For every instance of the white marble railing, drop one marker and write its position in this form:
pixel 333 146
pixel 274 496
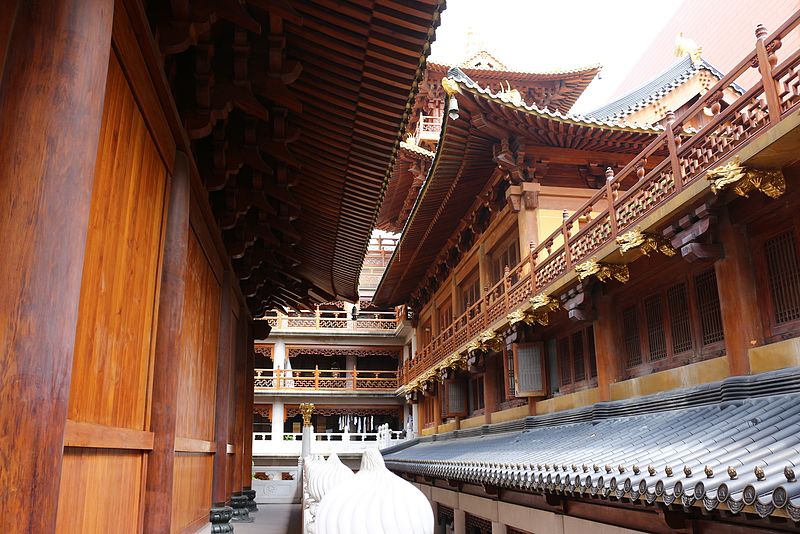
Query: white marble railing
pixel 344 442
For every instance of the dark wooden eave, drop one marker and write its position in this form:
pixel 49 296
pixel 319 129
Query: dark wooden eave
pixel 409 172
pixel 464 165
pixel 295 111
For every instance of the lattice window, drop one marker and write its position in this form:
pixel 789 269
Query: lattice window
pixel 578 366
pixel 708 307
pixel 654 320
pixel 631 339
pixel 563 361
pixel 477 525
pixel 511 385
pixel 512 530
pixel 592 352
pixel 444 514
pixel 783 273
pixel 680 324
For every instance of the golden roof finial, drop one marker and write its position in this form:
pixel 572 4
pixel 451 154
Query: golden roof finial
pixel 685 45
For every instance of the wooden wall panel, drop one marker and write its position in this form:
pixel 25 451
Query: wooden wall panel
pixel 198 369
pixel 191 490
pixel 100 491
pixel 121 268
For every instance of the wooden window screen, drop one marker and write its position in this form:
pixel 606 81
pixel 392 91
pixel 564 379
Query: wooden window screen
pixel 592 352
pixel 654 320
pixel 631 340
pixel 783 276
pixel 564 364
pixel 445 514
pixel 531 375
pixel 509 354
pixel 680 324
pixel 508 256
pixel 708 307
pixel 512 530
pixel 456 397
pixel 477 525
pixel 477 393
pixel 470 293
pixel 578 355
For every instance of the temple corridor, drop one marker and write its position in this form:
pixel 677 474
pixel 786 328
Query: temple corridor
pixel 270 519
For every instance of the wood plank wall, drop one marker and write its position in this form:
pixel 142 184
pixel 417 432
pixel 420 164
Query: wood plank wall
pixel 194 441
pixel 114 340
pixel 108 432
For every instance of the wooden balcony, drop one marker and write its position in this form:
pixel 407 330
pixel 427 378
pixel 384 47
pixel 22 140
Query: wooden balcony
pixel 635 197
pixel 320 321
pixel 267 380
pixel 428 129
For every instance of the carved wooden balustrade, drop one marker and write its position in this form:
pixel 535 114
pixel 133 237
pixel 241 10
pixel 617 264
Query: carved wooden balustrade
pixel 325 379
pixel 428 128
pixel 377 322
pixel 631 195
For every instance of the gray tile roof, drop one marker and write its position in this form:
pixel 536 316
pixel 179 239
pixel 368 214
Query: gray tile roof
pixel 718 444
pixel 652 91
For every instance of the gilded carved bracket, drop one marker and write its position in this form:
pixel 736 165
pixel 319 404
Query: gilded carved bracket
pixel 744 180
pixel 645 243
pixel 602 271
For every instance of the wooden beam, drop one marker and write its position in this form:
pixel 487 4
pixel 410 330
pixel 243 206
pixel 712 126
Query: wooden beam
pixel 81 434
pixel 51 101
pixel 194 445
pixel 160 463
pixel 606 346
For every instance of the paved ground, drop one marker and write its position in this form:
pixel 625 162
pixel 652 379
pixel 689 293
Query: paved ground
pixel 270 519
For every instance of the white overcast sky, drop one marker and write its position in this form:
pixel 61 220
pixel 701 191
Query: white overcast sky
pixel 538 35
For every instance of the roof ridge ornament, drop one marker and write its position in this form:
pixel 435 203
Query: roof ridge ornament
pixel 686 46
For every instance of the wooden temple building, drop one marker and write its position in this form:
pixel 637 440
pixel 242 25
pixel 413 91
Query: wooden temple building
pixel 170 171
pixel 606 307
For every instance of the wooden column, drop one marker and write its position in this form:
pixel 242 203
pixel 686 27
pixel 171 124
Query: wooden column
pixel 437 407
pixel 244 403
pixel 51 104
pixel 247 456
pixel 227 345
pixel 160 461
pixel 607 346
pixel 741 320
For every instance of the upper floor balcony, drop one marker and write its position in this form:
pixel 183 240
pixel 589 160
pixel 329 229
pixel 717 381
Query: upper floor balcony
pixel 638 195
pixel 327 380
pixel 339 321
pixel 428 128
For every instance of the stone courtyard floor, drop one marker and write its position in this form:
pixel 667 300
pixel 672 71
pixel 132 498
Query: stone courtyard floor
pixel 270 519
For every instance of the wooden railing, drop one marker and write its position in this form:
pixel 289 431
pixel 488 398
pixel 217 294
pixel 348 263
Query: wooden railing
pixel 325 379
pixel 428 128
pixel 682 157
pixel 322 321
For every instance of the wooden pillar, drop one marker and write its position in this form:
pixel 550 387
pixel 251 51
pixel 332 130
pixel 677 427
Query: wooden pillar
pixel 528 219
pixel 484 269
pixel 741 320
pixel 247 459
pixel 607 346
pixel 225 349
pixel 160 461
pixel 51 104
pixel 459 521
pixel 437 407
pixel 244 402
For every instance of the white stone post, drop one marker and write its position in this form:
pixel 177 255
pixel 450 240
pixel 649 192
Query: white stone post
pixel 277 422
pixel 279 354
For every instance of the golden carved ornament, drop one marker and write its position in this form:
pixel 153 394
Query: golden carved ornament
pixel 306 409
pixel 603 271
pixel 485 342
pixel 544 302
pixel 450 86
pixel 645 242
pixel 744 180
pixel 529 317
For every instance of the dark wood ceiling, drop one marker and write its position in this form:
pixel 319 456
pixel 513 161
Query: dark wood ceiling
pixel 295 111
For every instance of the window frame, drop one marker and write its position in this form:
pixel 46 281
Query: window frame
pixel 697 352
pixel 589 380
pixel 518 392
pixel 758 238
